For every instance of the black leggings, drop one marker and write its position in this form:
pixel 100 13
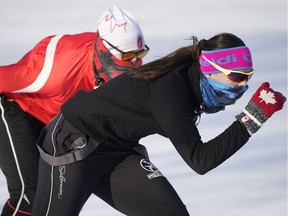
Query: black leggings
pixel 125 180
pixel 18 157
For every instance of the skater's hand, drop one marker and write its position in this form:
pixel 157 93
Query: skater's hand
pixel 262 105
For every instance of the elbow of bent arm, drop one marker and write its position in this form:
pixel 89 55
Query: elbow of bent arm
pixel 202 166
pixel 201 170
pixel 199 161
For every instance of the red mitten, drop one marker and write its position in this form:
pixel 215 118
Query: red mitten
pixel 262 105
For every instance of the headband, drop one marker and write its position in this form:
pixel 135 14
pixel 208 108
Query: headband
pixel 236 58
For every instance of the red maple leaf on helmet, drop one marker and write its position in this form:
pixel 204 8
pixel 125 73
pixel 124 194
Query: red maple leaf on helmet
pixel 113 23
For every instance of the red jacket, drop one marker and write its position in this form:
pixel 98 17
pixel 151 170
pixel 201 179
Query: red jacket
pixel 53 71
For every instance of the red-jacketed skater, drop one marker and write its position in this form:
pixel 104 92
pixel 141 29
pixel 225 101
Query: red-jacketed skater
pixel 33 89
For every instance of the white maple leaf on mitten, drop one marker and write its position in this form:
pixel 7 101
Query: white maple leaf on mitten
pixel 268 97
pixel 257 112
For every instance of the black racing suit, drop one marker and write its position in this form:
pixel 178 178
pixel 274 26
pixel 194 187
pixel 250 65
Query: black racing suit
pixel 118 115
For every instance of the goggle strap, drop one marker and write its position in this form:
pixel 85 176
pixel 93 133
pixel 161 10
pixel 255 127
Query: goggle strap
pixel 224 70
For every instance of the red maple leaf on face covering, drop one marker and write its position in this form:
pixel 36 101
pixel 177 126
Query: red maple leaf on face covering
pixel 107 65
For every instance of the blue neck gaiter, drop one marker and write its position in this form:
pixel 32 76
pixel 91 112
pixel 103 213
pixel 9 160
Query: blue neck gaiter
pixel 217 95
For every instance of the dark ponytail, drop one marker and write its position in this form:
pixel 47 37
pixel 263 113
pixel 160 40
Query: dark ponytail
pixel 184 56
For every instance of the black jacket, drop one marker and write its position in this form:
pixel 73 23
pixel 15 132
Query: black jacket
pixel 124 110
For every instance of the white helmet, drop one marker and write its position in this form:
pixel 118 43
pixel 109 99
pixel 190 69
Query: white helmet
pixel 119 28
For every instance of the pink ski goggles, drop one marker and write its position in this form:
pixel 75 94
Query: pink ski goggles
pixel 237 63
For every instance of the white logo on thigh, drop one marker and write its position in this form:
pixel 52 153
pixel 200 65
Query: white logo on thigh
pixel 62 179
pixel 148 166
